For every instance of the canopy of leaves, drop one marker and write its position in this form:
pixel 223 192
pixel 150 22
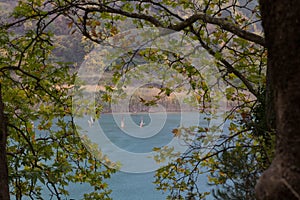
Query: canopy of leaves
pixel 45 154
pixel 230 31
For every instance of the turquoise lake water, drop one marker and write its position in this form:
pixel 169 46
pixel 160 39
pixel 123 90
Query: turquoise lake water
pixel 134 186
pixel 139 186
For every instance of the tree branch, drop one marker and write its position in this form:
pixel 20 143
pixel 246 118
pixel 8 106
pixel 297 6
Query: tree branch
pixel 227 65
pixel 223 23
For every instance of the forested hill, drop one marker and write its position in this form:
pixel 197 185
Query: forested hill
pixel 69 44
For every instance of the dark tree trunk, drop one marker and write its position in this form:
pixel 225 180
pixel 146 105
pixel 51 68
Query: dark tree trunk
pixel 4 190
pixel 281 24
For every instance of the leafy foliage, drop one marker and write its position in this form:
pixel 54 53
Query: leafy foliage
pixel 45 154
pixel 230 31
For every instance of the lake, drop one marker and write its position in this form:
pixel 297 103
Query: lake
pixel 136 181
pixel 134 185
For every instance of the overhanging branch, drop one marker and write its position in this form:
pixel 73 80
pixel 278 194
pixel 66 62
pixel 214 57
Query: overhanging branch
pixel 227 65
pixel 221 22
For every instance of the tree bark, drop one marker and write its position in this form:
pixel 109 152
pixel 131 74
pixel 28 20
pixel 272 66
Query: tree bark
pixel 4 187
pixel 281 24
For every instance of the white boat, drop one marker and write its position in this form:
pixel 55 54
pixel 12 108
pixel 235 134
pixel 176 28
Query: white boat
pixel 142 122
pixel 91 122
pixel 122 123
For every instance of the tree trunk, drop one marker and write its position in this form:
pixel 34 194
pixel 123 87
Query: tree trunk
pixel 4 189
pixel 281 24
